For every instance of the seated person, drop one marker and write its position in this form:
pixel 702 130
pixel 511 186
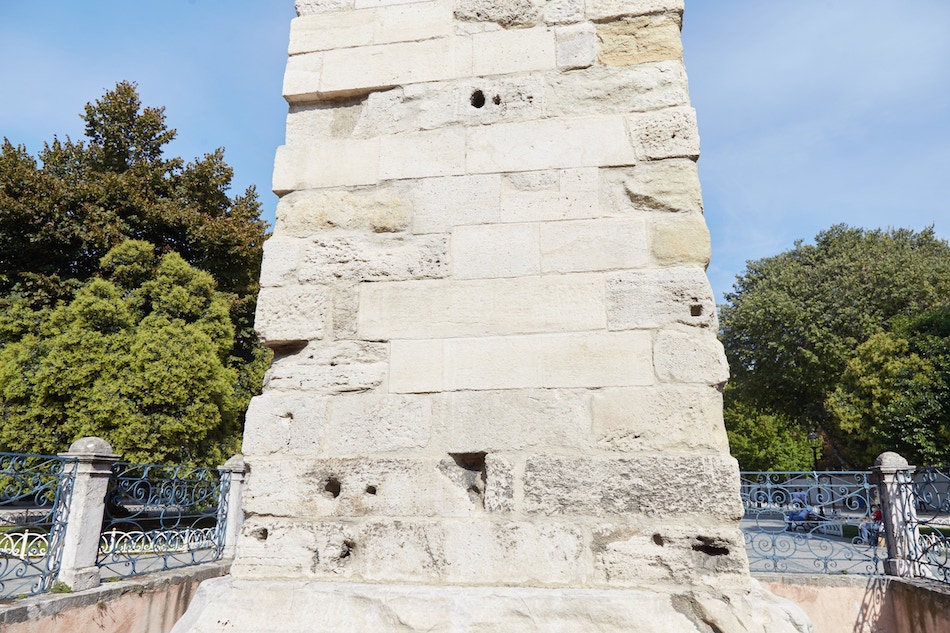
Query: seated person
pixel 803 513
pixel 870 527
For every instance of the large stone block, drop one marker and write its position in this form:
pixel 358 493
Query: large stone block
pixel 422 154
pixel 518 362
pixel 312 7
pixel 603 90
pixel 681 239
pixel 666 185
pixel 285 423
pixel 385 25
pixel 329 164
pixel 444 308
pixel 630 41
pixel 439 204
pixel 367 423
pixel 659 418
pixel 547 205
pixel 690 358
pixel 643 299
pixel 642 485
pixel 600 10
pixel 280 262
pixel 496 250
pixel 277 548
pixel 588 245
pixel 335 367
pixel 549 144
pixel 576 46
pixel 509 13
pixel 512 420
pixel 303 213
pixel 522 50
pixel 295 313
pixel 373 257
pixel 668 133
pixel 362 487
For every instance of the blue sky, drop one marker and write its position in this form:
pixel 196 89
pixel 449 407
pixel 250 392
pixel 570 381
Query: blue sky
pixel 811 113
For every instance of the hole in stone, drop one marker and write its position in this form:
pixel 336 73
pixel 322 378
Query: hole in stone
pixel 710 546
pixel 478 99
pixel 659 540
pixel 259 533
pixel 469 473
pixel 496 100
pixel 346 550
pixel 370 490
pixel 284 349
pixel 470 461
pixel 696 310
pixel 333 487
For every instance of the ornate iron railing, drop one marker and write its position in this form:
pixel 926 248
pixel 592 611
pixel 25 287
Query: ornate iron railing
pixel 35 491
pixel 162 517
pixel 813 522
pixel 925 508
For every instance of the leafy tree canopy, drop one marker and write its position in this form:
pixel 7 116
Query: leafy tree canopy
pixel 795 321
pixel 128 283
pixel 139 358
pixel 63 210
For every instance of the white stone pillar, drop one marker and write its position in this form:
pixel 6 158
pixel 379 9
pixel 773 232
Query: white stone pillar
pixel 95 457
pixel 234 470
pixel 895 478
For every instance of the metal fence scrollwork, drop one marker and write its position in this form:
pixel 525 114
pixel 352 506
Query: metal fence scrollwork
pixel 925 506
pixel 35 492
pixel 812 522
pixel 162 517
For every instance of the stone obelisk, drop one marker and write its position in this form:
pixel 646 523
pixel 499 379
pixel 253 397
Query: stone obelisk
pixel 495 402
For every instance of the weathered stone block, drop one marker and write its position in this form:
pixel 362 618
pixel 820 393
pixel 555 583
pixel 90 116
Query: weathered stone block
pixel 281 258
pixel 374 257
pixel 496 250
pixel 544 205
pixel 427 309
pixel 659 418
pixel 330 164
pixel 515 553
pixel 422 154
pixel 303 213
pixel 366 423
pixel 504 52
pixel 499 484
pixel 509 13
pixel 294 313
pixel 289 424
pixel 549 144
pixel 631 41
pixel 690 358
pixel 588 486
pixel 563 11
pixel 325 31
pixel 666 185
pixel 682 239
pixel 312 123
pixel 655 298
pixel 271 548
pixel 587 245
pixel 335 367
pixel 442 203
pixel 668 133
pixel 599 10
pixel 311 7
pixel 512 420
pixel 363 487
pixel 576 46
pixel 603 90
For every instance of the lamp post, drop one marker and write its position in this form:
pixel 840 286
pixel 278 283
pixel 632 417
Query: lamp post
pixel 815 441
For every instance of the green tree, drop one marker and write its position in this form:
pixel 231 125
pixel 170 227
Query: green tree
pixel 139 358
pixel 795 320
pixel 62 211
pixel 762 441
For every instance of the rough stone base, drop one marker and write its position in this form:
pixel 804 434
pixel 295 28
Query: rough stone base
pixel 297 607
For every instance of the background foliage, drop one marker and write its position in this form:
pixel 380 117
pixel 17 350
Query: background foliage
pixel 128 283
pixel 845 337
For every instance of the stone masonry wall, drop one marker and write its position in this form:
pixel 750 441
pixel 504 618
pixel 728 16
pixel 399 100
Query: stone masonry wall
pixel 496 357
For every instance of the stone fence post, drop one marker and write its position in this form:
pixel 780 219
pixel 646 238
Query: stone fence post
pixel 895 477
pixel 235 470
pixel 78 567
